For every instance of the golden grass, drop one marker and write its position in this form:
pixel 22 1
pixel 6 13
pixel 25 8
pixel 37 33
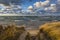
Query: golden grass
pixel 51 30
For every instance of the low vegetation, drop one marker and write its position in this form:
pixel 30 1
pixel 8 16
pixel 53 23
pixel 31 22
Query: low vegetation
pixel 11 32
pixel 50 31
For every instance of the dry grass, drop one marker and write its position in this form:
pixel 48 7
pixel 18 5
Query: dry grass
pixel 11 32
pixel 50 31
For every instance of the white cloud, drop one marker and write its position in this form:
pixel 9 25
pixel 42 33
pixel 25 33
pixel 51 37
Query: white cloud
pixel 2 7
pixel 53 5
pixel 45 3
pixel 51 8
pixel 30 8
pixel 42 4
pixel 46 9
pixel 37 4
pixel 1 4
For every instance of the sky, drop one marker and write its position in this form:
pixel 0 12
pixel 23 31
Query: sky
pixel 36 5
pixel 25 4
